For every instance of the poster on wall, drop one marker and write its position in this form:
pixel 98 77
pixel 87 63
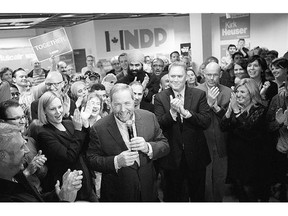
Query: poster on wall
pixel 54 43
pixel 118 40
pixel 185 49
pixel 236 27
pixel 16 57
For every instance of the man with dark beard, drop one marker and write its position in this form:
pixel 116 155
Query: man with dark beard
pixel 136 73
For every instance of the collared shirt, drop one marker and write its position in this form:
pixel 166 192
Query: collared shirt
pixel 125 136
pixel 174 114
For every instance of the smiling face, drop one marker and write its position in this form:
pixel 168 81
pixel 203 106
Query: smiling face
pixel 279 73
pixel 54 111
pixel 20 78
pixel 254 70
pixel 177 78
pixel 7 76
pixel 122 105
pixel 243 96
pixel 17 116
pixel 96 105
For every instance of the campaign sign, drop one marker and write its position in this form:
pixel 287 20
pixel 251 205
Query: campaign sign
pixel 53 43
pixel 185 49
pixel 235 27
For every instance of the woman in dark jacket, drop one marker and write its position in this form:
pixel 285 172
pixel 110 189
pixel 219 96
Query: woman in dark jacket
pixel 246 146
pixel 62 141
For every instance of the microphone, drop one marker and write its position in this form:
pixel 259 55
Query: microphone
pixel 129 124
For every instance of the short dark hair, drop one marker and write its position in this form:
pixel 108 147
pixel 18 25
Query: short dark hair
pixel 15 71
pixel 231 45
pixel 4 105
pixel 173 53
pixel 96 87
pixel 237 53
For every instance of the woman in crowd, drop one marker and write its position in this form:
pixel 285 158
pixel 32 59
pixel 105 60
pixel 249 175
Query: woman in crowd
pixel 6 74
pixel 279 69
pixel 240 71
pixel 62 141
pixel 91 112
pixel 256 70
pixel 79 92
pixel 245 123
pixel 191 78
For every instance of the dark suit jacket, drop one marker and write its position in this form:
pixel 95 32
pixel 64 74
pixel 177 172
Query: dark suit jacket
pixel 188 135
pixel 147 106
pixel 213 134
pixel 23 191
pixel 106 142
pixel 64 149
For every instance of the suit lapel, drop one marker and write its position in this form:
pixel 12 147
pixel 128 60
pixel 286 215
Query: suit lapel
pixel 188 98
pixel 115 133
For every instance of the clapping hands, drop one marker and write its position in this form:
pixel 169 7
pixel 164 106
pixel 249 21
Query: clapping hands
pixel 281 117
pixel 71 184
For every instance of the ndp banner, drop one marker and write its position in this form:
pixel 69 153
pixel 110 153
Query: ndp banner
pixel 53 43
pixel 134 39
pixel 235 28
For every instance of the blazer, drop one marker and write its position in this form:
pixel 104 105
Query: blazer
pixel 64 149
pixel 214 135
pixel 106 142
pixel 23 191
pixel 187 136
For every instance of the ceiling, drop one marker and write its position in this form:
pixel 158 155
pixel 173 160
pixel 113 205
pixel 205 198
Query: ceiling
pixel 10 21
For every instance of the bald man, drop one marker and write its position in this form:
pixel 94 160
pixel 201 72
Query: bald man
pixel 218 97
pixel 54 82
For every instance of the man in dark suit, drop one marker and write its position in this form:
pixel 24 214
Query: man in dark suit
pixel 183 114
pixel 125 160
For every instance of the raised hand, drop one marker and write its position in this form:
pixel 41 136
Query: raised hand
pixel 71 184
pixel 145 81
pixel 37 162
pixel 76 119
pixel 234 104
pixel 264 89
pixel 280 116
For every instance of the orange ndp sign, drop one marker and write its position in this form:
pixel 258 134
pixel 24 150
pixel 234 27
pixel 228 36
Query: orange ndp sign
pixel 53 43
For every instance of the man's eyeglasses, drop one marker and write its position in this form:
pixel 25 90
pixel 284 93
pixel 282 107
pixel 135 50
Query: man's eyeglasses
pixel 17 118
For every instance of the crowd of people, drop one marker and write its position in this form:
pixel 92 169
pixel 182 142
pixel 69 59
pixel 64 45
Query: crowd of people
pixel 148 130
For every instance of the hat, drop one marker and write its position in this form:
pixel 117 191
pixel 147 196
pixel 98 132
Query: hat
pixel 135 56
pixel 94 74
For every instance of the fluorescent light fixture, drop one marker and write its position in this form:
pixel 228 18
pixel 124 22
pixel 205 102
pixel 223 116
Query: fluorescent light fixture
pixel 67 15
pixel 14 27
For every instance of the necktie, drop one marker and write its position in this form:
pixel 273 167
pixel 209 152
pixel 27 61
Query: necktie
pixel 179 96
